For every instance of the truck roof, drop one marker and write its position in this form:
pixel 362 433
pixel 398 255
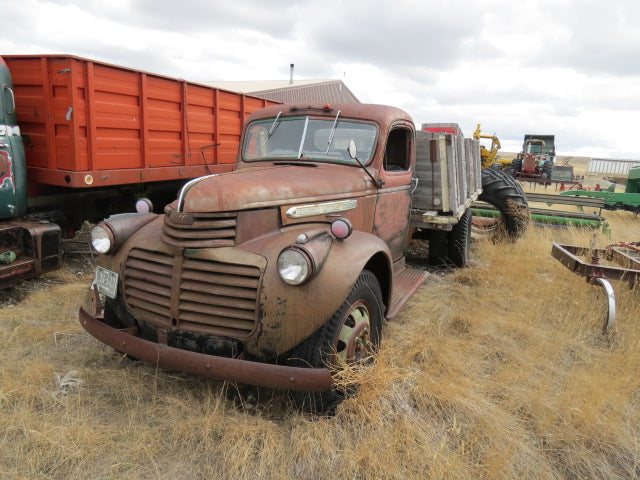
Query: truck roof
pixel 381 114
pixel 531 136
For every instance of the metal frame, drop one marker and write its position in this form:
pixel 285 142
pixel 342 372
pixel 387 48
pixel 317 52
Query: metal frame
pixel 627 255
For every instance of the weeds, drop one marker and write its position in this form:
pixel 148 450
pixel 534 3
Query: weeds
pixel 494 371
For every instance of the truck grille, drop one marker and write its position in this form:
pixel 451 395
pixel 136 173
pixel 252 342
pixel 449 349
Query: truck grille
pixel 199 230
pixel 211 297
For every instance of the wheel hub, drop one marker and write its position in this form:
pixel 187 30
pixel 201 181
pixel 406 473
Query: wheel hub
pixel 354 341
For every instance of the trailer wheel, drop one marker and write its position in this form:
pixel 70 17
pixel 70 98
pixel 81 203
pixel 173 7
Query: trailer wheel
pixel 438 243
pixel 506 195
pixel 351 335
pixel 459 241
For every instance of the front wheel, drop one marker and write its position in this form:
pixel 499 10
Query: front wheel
pixel 351 335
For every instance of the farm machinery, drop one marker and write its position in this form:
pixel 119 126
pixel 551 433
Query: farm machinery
pixel 537 157
pixel 489 156
pixel 628 200
pixel 619 261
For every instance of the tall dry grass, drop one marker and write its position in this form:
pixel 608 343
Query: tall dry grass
pixel 494 371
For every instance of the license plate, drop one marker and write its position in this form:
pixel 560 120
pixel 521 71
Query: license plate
pixel 107 282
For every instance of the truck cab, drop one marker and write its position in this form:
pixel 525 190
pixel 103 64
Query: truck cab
pixel 291 261
pixel 27 247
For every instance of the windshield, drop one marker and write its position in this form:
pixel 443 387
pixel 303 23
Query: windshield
pixel 306 138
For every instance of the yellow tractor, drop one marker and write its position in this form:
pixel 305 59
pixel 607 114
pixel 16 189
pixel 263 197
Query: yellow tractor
pixel 490 156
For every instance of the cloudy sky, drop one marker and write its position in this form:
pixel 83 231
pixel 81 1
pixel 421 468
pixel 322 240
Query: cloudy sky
pixel 564 67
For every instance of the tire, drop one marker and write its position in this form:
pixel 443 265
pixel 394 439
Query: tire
pixel 459 241
pixel 438 246
pixel 547 171
pixel 505 194
pixel 352 333
pixel 516 164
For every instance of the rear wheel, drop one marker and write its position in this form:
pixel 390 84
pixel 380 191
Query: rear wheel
pixel 459 241
pixel 351 335
pixel 438 240
pixel 451 248
pixel 507 196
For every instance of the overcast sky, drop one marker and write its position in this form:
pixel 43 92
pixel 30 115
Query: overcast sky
pixel 564 67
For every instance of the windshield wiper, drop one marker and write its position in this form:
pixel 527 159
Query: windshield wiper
pixel 333 131
pixel 273 125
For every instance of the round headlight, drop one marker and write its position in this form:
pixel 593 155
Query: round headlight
pixel 101 239
pixel 293 266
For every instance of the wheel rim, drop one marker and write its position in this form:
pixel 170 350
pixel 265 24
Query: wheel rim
pixel 354 340
pixel 483 227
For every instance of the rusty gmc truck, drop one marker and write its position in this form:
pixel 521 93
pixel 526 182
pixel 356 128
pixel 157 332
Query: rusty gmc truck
pixel 278 272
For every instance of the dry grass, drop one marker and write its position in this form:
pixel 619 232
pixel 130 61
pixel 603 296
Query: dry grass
pixel 494 371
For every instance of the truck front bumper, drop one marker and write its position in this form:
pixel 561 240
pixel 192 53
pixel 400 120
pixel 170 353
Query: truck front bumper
pixel 211 366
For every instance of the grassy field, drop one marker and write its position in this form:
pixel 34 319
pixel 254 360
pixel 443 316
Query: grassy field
pixel 494 371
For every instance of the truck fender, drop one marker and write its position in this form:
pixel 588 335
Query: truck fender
pixel 290 314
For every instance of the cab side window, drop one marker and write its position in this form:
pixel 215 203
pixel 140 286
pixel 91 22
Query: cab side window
pixel 396 155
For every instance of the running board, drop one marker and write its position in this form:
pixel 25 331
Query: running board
pixel 405 283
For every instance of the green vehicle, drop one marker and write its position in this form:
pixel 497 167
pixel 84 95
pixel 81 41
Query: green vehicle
pixel 28 247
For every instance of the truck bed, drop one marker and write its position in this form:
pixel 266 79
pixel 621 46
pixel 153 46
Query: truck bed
pixel 449 178
pixel 89 124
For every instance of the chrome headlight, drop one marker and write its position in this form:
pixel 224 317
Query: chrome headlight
pixel 110 234
pixel 294 266
pixel 101 239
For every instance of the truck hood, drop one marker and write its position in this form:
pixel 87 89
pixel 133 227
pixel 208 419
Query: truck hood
pixel 258 187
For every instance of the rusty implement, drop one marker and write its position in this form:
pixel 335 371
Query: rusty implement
pixel 620 261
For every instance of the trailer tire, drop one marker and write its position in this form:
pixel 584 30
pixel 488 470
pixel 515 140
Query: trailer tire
pixel 353 333
pixel 506 195
pixel 438 247
pixel 459 241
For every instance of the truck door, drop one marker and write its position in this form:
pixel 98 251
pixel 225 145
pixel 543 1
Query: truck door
pixel 13 188
pixel 393 205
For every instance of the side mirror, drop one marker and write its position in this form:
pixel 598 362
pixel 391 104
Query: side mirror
pixel 10 99
pixel 353 151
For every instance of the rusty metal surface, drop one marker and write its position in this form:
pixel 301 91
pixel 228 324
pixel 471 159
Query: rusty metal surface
pixel 405 283
pixel 178 277
pixel 221 368
pixel 200 229
pixel 569 256
pixel 267 186
pixel 192 294
pixel 37 247
pixel 391 221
